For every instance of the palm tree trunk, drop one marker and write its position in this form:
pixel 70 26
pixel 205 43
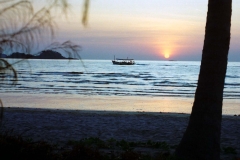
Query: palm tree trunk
pixel 202 137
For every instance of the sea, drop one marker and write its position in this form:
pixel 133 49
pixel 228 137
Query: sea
pixel 101 77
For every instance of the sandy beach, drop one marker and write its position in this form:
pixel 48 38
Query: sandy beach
pixel 57 125
pixel 60 126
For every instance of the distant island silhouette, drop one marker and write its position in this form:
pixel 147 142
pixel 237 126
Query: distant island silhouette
pixel 47 54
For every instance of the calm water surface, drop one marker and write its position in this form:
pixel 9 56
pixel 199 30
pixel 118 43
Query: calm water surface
pixel 100 77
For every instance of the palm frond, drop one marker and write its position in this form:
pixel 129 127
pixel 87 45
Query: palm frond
pixel 6 67
pixel 22 29
pixel 85 12
pixel 67 47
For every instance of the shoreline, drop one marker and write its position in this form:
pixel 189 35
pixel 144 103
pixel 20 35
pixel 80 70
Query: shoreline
pixel 109 103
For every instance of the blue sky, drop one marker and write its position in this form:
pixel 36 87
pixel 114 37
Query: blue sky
pixel 144 29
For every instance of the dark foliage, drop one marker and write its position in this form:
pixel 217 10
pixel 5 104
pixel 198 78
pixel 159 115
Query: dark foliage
pixel 15 147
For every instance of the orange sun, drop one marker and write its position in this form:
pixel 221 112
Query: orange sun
pixel 166 55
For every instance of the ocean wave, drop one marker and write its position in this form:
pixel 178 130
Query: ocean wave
pixel 102 78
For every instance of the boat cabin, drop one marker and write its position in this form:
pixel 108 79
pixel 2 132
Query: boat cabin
pixel 123 61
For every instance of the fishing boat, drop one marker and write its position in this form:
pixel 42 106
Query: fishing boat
pixel 123 61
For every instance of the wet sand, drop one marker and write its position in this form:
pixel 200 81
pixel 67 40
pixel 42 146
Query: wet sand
pixel 109 103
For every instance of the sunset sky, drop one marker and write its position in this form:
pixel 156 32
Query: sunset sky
pixel 144 29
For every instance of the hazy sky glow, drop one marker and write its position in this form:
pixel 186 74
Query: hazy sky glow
pixel 144 29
